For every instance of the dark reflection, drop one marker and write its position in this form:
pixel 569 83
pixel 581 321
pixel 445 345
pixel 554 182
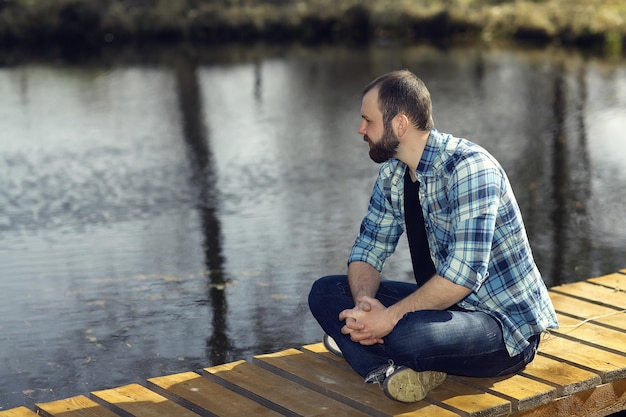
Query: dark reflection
pixel 204 179
pixel 559 178
pixel 258 82
pixel 581 257
pixel 570 178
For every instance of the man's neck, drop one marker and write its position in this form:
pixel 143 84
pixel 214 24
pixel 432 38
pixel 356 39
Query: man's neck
pixel 412 149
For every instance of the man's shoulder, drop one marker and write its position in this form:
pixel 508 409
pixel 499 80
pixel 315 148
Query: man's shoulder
pixel 452 145
pixel 452 153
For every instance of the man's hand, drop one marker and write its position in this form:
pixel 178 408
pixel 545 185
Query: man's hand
pixel 368 322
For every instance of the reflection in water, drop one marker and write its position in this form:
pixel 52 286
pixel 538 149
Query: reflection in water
pixel 571 176
pixel 204 179
pixel 581 175
pixel 560 180
pixel 258 84
pixel 120 181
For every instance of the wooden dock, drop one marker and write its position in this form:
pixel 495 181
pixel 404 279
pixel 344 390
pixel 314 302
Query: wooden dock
pixel 580 370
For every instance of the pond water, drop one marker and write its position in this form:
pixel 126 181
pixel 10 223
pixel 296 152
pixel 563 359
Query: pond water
pixel 167 210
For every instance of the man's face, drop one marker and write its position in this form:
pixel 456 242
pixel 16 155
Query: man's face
pixel 383 142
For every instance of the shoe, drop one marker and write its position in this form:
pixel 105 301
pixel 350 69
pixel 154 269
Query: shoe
pixel 378 375
pixel 331 345
pixel 408 386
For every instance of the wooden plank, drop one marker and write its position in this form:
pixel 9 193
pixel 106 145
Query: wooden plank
pixel 600 401
pixel 203 396
pixel 567 379
pixel 318 349
pixel 608 365
pixel 18 412
pixel 342 384
pixel 137 401
pixel 524 393
pixel 470 401
pixel 276 392
pixel 598 294
pixel 79 406
pixel 587 310
pixel 616 280
pixel 589 332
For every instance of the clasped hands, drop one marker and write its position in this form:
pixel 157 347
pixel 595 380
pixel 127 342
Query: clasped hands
pixel 368 322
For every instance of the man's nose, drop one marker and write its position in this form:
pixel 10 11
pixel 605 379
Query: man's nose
pixel 362 128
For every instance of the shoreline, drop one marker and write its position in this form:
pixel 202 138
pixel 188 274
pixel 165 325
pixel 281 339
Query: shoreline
pixel 90 23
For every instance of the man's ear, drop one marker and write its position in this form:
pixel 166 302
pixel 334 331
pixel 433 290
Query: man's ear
pixel 401 123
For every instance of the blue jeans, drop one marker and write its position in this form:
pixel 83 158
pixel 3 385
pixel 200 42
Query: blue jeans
pixel 454 341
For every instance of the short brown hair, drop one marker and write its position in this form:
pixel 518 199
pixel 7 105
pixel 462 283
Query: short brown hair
pixel 403 92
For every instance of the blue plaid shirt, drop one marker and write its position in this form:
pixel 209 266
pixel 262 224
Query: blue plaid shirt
pixel 475 233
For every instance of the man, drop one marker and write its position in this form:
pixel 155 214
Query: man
pixel 479 303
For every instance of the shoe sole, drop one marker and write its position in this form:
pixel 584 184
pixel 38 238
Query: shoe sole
pixel 408 386
pixel 331 345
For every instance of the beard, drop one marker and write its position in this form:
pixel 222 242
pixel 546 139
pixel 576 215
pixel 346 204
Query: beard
pixel 386 148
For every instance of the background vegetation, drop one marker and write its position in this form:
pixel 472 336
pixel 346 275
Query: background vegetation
pixel 92 22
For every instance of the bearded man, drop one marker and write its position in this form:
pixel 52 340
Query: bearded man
pixel 478 304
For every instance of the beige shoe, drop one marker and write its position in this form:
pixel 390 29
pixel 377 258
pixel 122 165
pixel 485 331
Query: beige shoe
pixel 408 386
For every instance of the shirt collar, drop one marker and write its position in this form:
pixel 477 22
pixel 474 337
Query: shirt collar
pixel 431 151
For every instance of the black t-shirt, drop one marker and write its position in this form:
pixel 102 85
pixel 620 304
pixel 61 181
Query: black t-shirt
pixel 423 267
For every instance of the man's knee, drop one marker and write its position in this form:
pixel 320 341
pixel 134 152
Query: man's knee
pixel 325 296
pixel 328 285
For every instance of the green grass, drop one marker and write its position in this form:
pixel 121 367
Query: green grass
pixel 577 22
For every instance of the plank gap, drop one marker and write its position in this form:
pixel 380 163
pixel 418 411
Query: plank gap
pixel 607 286
pixel 591 344
pixel 618 309
pixel 591 320
pixel 249 394
pixel 601 374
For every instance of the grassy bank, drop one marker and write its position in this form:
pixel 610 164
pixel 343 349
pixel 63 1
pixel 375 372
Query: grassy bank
pixel 93 22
